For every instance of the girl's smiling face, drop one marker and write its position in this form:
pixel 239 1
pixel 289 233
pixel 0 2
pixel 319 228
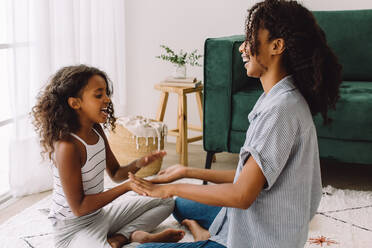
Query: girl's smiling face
pixel 94 100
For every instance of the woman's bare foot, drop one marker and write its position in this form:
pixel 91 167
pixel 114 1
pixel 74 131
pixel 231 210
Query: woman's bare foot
pixel 168 235
pixel 198 232
pixel 117 240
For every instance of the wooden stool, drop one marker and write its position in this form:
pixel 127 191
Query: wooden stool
pixel 182 126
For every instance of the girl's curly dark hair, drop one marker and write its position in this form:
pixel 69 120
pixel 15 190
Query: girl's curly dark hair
pixel 53 118
pixel 307 56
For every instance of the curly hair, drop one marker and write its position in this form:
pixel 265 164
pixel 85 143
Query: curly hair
pixel 307 56
pixel 53 118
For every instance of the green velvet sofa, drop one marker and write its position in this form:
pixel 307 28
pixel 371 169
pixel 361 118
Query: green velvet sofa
pixel 229 94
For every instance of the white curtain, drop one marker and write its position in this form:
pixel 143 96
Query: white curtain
pixel 49 34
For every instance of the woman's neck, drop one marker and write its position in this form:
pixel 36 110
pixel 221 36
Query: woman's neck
pixel 272 77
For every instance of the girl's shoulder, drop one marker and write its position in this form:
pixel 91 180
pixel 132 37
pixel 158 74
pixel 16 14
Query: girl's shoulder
pixel 65 142
pixel 69 147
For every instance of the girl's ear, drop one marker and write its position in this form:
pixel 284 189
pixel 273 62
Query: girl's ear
pixel 74 102
pixel 278 46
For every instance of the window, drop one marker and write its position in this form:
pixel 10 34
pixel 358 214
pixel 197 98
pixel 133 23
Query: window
pixel 6 60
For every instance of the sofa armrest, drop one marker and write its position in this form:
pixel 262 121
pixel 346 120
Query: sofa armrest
pixel 224 74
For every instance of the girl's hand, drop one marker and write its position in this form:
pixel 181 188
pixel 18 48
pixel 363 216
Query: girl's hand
pixel 148 159
pixel 146 188
pixel 170 174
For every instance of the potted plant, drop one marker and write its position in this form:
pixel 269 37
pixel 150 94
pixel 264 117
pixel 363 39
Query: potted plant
pixel 180 60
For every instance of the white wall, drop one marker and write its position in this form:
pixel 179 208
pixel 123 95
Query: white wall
pixel 183 24
pixel 337 4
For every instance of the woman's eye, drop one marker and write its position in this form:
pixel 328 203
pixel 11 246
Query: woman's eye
pixel 98 96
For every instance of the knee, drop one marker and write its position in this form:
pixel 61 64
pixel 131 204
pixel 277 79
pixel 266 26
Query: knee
pixel 181 204
pixel 151 245
pixel 169 202
pixel 148 245
pixel 181 209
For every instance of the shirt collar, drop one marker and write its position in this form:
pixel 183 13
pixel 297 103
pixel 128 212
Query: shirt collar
pixel 284 85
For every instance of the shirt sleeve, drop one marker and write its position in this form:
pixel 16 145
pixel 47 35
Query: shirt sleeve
pixel 271 142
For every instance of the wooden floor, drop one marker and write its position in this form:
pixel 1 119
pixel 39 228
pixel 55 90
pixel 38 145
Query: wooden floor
pixel 343 176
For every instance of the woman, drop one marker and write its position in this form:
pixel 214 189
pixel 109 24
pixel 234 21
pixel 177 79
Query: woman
pixel 275 191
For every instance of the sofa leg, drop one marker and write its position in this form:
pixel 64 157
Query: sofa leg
pixel 208 162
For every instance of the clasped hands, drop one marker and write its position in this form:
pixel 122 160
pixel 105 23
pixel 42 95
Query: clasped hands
pixel 153 187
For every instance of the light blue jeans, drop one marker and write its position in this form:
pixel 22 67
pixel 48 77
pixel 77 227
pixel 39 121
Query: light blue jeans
pixel 187 209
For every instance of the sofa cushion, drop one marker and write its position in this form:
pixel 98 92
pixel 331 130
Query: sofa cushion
pixel 352 119
pixel 242 104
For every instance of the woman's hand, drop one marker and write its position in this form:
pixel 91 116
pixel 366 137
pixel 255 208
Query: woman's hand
pixel 146 188
pixel 170 174
pixel 148 159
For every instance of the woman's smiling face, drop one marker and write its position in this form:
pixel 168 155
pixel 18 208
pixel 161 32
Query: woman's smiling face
pixel 257 64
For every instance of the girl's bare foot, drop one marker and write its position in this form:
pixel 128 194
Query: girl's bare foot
pixel 198 232
pixel 168 235
pixel 117 240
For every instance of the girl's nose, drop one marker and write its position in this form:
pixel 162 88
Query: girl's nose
pixel 107 99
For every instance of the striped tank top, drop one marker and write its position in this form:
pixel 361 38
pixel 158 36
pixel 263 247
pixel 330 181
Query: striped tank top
pixel 92 173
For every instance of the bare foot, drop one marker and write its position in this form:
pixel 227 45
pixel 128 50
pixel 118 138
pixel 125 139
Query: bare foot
pixel 117 240
pixel 198 232
pixel 168 235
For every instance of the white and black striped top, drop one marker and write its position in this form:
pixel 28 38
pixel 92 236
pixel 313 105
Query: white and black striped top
pixel 282 139
pixel 92 173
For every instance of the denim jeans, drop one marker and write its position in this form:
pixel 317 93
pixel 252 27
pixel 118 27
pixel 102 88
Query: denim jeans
pixel 199 244
pixel 187 209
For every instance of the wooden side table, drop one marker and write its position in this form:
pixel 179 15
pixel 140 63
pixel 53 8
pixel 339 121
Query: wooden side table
pixel 181 131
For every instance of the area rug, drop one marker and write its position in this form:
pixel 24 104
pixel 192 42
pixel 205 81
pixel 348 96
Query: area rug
pixel 344 220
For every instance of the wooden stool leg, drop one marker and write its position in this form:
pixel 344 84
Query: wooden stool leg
pixel 199 100
pixel 179 137
pixel 162 106
pixel 183 121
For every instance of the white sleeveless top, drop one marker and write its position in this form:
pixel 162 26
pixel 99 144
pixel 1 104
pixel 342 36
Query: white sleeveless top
pixel 92 174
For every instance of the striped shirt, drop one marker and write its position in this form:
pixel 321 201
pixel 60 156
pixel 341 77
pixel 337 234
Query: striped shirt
pixel 282 139
pixel 92 173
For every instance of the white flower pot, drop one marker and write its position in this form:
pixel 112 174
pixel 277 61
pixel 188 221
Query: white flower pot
pixel 179 71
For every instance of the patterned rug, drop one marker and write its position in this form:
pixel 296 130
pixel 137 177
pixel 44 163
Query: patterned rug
pixel 344 220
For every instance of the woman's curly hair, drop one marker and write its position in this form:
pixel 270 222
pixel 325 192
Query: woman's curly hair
pixel 53 118
pixel 307 56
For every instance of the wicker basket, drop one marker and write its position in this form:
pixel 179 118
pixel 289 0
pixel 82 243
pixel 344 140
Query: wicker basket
pixel 123 145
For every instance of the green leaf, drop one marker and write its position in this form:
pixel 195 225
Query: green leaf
pixel 181 57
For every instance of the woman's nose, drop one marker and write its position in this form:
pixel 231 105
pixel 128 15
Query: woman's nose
pixel 242 47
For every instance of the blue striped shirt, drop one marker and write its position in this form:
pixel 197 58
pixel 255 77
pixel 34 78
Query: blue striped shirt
pixel 282 139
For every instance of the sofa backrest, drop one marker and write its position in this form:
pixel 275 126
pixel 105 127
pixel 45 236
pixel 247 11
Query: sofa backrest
pixel 349 34
pixel 223 64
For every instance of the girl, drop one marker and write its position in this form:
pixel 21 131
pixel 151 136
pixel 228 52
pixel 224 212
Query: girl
pixel 275 191
pixel 67 117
